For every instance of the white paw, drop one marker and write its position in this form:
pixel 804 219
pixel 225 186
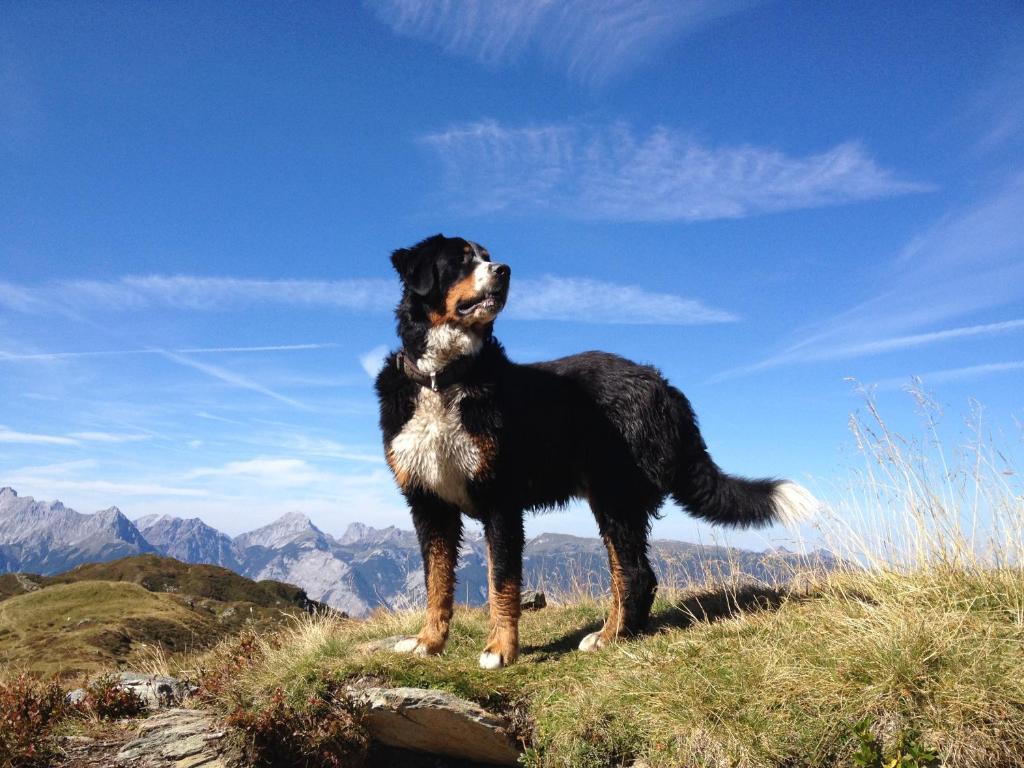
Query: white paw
pixel 592 642
pixel 490 660
pixel 411 645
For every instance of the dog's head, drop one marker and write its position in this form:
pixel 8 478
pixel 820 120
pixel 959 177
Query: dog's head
pixel 452 281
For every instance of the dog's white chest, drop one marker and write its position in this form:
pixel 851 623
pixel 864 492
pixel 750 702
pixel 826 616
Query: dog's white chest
pixel 434 451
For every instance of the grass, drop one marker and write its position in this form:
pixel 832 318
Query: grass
pixel 913 653
pixel 82 627
pixel 165 574
pixel 69 629
pixel 742 676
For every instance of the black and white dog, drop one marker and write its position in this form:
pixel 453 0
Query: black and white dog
pixel 468 432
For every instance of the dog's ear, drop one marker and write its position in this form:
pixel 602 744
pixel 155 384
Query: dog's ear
pixel 416 265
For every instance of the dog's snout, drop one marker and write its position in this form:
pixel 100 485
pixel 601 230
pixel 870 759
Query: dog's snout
pixel 502 271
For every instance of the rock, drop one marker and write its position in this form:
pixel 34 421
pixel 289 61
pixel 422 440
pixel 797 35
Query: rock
pixel 75 697
pixel 533 600
pixel 384 644
pixel 436 722
pixel 156 691
pixel 179 738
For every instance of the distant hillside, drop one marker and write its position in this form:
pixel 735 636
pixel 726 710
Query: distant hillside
pixel 363 569
pixel 165 574
pixel 103 615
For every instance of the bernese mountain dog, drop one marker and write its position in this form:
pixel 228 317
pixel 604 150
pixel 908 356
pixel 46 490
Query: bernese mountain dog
pixel 469 432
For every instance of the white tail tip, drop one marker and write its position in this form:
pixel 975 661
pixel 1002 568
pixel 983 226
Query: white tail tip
pixel 793 504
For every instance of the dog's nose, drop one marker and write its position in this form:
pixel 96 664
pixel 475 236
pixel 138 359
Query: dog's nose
pixel 502 271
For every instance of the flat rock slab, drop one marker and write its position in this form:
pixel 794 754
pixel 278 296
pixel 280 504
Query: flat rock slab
pixel 437 722
pixel 182 738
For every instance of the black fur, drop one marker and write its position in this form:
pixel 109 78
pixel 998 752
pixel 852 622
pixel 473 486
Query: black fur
pixel 592 426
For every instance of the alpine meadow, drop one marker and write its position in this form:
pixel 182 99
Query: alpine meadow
pixel 556 383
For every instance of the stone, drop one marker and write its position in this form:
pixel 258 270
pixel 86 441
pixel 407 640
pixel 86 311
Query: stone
pixel 436 722
pixel 533 600
pixel 178 738
pixel 75 697
pixel 383 644
pixel 156 691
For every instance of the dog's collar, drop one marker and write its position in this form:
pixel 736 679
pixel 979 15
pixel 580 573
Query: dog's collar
pixel 438 380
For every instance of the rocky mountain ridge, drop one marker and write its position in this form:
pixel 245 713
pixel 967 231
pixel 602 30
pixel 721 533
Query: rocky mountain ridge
pixel 363 569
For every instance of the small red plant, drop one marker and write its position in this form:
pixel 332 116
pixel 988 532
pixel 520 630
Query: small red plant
pixel 29 708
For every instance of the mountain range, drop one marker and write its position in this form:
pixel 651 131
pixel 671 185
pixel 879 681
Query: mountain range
pixel 363 569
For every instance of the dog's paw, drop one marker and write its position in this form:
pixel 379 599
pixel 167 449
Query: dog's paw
pixel 593 642
pixel 411 645
pixel 490 660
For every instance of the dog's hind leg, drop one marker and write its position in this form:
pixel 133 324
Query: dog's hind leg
pixel 505 540
pixel 633 580
pixel 439 529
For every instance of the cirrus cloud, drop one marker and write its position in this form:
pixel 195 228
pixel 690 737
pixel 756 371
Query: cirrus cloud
pixel 615 173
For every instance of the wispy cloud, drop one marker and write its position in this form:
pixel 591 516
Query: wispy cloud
pixel 190 292
pixel 584 300
pixel 373 360
pixel 213 417
pixel 267 471
pixel 613 173
pixel 590 39
pixel 19 299
pixel 316 446
pixel 547 298
pixel 232 378
pixel 60 478
pixel 969 262
pixel 997 109
pixel 74 438
pixel 954 374
pixel 109 437
pixel 47 356
pixel 806 353
pixel 271 348
pixel 30 438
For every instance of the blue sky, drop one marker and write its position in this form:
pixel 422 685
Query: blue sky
pixel 763 199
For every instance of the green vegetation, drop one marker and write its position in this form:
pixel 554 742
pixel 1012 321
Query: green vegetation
pixel 33 712
pixel 911 658
pixel 105 615
pixel 72 628
pixel 165 574
pixel 911 655
pixel 29 711
pixel 730 677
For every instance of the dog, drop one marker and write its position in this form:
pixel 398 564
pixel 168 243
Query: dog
pixel 468 432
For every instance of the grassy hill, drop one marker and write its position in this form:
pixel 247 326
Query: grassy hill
pixel 729 677
pixel 911 655
pixel 165 574
pixel 108 614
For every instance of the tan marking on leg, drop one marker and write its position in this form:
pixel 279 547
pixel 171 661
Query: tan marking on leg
pixel 505 605
pixel 441 557
pixel 613 624
pixel 612 628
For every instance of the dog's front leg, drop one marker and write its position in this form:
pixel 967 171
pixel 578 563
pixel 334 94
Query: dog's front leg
pixel 505 538
pixel 439 529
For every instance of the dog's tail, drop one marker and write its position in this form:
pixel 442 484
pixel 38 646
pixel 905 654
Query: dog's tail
pixel 710 494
